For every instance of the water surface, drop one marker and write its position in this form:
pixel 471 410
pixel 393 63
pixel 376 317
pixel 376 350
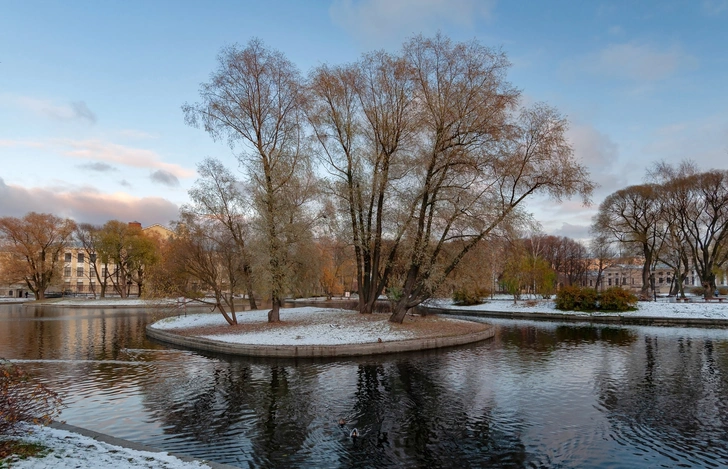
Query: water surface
pixel 537 395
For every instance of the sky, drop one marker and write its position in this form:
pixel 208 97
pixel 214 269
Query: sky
pixel 91 126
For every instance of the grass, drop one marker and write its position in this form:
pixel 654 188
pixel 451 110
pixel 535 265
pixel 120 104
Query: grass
pixel 15 450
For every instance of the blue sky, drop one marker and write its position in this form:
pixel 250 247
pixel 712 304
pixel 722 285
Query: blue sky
pixel 90 92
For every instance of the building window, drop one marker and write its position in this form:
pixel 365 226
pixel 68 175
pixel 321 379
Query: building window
pixel 79 271
pixel 66 272
pixel 92 257
pixel 632 281
pixel 103 272
pixel 79 286
pixel 68 257
pixel 80 258
pixel 609 282
pixel 624 280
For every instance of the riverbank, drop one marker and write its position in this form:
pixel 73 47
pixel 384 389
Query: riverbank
pixel 663 312
pixel 68 447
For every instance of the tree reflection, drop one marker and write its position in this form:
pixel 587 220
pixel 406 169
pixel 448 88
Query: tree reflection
pixel 670 395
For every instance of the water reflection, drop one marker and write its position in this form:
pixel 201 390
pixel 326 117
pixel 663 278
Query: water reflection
pixel 537 395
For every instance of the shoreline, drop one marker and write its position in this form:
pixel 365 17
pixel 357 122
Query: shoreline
pixel 601 318
pixel 315 332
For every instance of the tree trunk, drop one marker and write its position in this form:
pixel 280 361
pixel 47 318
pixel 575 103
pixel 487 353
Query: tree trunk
pixel 249 287
pixel 399 313
pixel 274 315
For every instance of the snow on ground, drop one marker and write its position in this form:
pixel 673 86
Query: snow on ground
pixel 659 309
pixel 300 326
pixel 10 299
pixel 71 450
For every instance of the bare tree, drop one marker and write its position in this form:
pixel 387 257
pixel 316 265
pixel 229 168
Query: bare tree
pixel 204 258
pixel 633 216
pixel 220 195
pixel 34 246
pixel 254 102
pixel 362 119
pixel 447 157
pixel 88 237
pixel 604 255
pixel 695 211
pixel 702 207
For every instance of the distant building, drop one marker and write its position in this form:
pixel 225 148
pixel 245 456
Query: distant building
pixel 78 270
pixel 628 275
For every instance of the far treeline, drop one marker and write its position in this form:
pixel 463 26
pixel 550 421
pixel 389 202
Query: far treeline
pixel 401 174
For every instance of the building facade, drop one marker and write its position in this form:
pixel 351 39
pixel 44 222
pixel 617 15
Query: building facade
pixel 79 272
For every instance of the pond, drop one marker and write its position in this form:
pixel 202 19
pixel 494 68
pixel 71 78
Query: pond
pixel 537 395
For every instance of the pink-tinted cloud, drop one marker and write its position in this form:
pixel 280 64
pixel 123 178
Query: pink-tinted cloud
pixel 113 153
pixel 98 150
pixel 85 205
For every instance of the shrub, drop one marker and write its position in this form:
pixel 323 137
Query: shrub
pixel 573 298
pixel 467 297
pixel 23 399
pixel 567 298
pixel 589 300
pixel 617 299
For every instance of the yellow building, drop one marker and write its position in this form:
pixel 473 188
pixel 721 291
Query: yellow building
pixel 78 271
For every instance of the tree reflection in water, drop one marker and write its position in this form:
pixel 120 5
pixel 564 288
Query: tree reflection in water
pixel 537 395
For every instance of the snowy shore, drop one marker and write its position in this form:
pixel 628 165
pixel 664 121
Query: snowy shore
pixel 661 309
pixel 70 450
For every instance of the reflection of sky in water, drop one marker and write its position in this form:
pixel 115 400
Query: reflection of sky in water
pixel 538 394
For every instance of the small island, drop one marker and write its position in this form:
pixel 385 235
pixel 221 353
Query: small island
pixel 316 332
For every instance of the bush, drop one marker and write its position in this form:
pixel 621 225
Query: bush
pixel 467 297
pixel 574 298
pixel 617 299
pixel 23 399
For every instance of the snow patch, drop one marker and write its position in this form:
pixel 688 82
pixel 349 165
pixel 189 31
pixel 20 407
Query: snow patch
pixel 71 450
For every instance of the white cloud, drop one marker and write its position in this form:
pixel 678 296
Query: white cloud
pixel 73 111
pixel 637 62
pixel 376 23
pixel 704 141
pixel 85 204
pixel 600 154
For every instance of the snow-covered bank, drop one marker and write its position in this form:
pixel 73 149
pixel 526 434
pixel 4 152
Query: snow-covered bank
pixel 659 309
pixel 72 450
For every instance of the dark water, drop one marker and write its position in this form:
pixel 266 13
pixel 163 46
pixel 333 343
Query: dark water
pixel 537 395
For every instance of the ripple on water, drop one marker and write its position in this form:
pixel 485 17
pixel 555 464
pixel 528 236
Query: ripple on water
pixel 538 395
